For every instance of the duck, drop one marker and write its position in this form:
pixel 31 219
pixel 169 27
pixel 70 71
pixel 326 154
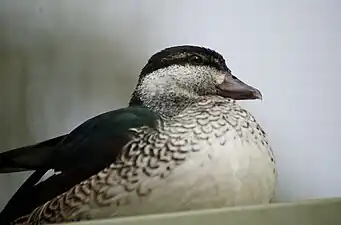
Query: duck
pixel 182 143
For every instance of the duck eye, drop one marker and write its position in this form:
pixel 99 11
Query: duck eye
pixel 195 59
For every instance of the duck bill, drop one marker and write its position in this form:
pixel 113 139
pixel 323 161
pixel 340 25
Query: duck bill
pixel 236 89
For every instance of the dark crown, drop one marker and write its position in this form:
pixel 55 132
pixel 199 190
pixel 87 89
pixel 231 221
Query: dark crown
pixel 182 55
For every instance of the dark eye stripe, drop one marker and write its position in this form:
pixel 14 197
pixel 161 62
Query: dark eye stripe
pixel 182 55
pixel 196 59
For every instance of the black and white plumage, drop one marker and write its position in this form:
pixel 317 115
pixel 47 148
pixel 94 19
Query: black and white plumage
pixel 200 150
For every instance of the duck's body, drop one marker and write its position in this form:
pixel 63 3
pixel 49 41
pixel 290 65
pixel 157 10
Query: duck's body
pixel 189 147
pixel 212 154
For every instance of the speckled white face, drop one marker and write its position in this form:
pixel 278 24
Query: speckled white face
pixel 180 81
pixel 168 89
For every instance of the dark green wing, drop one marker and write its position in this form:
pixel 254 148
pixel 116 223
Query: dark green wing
pixel 30 157
pixel 85 151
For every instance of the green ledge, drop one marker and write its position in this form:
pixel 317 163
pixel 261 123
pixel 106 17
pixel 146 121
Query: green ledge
pixel 310 212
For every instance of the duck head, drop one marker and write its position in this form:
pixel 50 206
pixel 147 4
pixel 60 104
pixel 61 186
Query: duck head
pixel 176 75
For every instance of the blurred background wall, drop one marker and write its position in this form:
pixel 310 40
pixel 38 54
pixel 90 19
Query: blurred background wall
pixel 62 62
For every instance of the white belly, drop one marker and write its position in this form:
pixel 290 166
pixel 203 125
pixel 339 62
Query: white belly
pixel 217 176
